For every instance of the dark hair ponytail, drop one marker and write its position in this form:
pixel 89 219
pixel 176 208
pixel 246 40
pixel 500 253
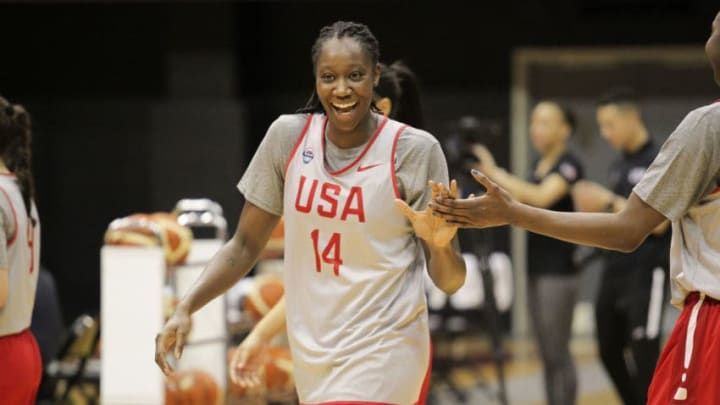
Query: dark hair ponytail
pixel 15 133
pixel 409 107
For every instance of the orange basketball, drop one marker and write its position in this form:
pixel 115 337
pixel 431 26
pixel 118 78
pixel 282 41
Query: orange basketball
pixel 191 387
pixel 265 292
pixel 133 230
pixel 177 238
pixel 279 370
pixel 275 246
pixel 158 229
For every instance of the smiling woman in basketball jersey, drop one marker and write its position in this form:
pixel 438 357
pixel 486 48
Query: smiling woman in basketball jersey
pixel 20 363
pixel 346 180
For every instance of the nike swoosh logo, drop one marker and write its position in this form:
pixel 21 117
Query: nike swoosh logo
pixel 368 167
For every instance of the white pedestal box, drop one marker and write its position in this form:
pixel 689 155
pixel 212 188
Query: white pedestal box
pixel 131 286
pixel 207 344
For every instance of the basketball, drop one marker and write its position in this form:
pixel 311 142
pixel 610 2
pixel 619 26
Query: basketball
pixel 279 370
pixel 191 387
pixel 157 229
pixel 133 230
pixel 264 293
pixel 177 238
pixel 275 247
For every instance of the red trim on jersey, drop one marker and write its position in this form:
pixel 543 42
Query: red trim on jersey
pixel 298 143
pixel 717 190
pixel 8 175
pixel 360 156
pixel 12 208
pixel 426 382
pixel 393 161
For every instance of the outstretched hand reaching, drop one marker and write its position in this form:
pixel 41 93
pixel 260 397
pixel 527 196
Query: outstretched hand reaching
pixel 488 210
pixel 433 229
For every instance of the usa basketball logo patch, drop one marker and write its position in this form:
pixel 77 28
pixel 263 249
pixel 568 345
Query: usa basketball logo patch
pixel 568 171
pixel 308 155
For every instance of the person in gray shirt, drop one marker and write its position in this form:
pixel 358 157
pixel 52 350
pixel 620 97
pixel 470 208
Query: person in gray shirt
pixel 682 185
pixel 391 236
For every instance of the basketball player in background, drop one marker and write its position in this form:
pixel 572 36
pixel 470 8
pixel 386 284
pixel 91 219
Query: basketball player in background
pixel 553 278
pixel 21 365
pixel 628 308
pixel 397 95
pixel 345 180
pixel 682 185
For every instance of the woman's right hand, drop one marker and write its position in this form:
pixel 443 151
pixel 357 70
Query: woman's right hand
pixel 173 335
pixel 247 366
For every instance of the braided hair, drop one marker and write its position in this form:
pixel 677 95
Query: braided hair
pixel 340 29
pixel 15 134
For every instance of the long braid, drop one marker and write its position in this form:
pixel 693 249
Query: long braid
pixel 15 133
pixel 340 29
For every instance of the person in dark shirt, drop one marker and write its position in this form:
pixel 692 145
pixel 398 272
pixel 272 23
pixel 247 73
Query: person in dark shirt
pixel 628 308
pixel 553 279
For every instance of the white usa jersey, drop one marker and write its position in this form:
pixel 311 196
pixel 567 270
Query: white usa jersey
pixel 23 256
pixel 356 310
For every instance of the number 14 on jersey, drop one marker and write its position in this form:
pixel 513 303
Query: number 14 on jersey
pixel 330 254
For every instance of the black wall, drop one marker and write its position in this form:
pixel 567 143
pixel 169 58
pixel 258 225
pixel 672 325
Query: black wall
pixel 138 105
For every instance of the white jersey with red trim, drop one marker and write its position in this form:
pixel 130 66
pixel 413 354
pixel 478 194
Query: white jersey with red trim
pixel 356 309
pixel 695 250
pixel 22 248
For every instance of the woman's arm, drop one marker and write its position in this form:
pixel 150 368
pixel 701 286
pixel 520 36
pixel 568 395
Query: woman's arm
pixel 592 197
pixel 623 231
pixel 446 267
pixel 271 324
pixel 553 188
pixel 445 264
pixel 233 261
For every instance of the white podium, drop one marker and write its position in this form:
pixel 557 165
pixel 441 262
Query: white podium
pixel 206 348
pixel 131 315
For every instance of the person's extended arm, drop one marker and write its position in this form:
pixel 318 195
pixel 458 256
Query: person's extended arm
pixel 271 324
pixel 446 267
pixel 592 197
pixel 248 360
pixel 622 231
pixel 233 261
pixel 445 264
pixel 543 195
pixel 553 187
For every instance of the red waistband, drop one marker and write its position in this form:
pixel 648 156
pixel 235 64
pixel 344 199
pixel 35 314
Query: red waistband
pixel 694 297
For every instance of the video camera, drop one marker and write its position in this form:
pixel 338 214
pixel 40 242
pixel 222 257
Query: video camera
pixel 467 132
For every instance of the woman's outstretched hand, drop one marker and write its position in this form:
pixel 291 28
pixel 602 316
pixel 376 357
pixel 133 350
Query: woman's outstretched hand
pixel 488 210
pixel 433 229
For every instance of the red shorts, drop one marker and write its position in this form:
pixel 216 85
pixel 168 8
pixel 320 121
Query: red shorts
pixel 20 368
pixel 688 371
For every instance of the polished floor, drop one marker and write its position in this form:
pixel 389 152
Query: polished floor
pixel 479 385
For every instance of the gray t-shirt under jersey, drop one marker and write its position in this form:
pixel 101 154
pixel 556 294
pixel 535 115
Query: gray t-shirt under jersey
pixel 420 158
pixel 683 184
